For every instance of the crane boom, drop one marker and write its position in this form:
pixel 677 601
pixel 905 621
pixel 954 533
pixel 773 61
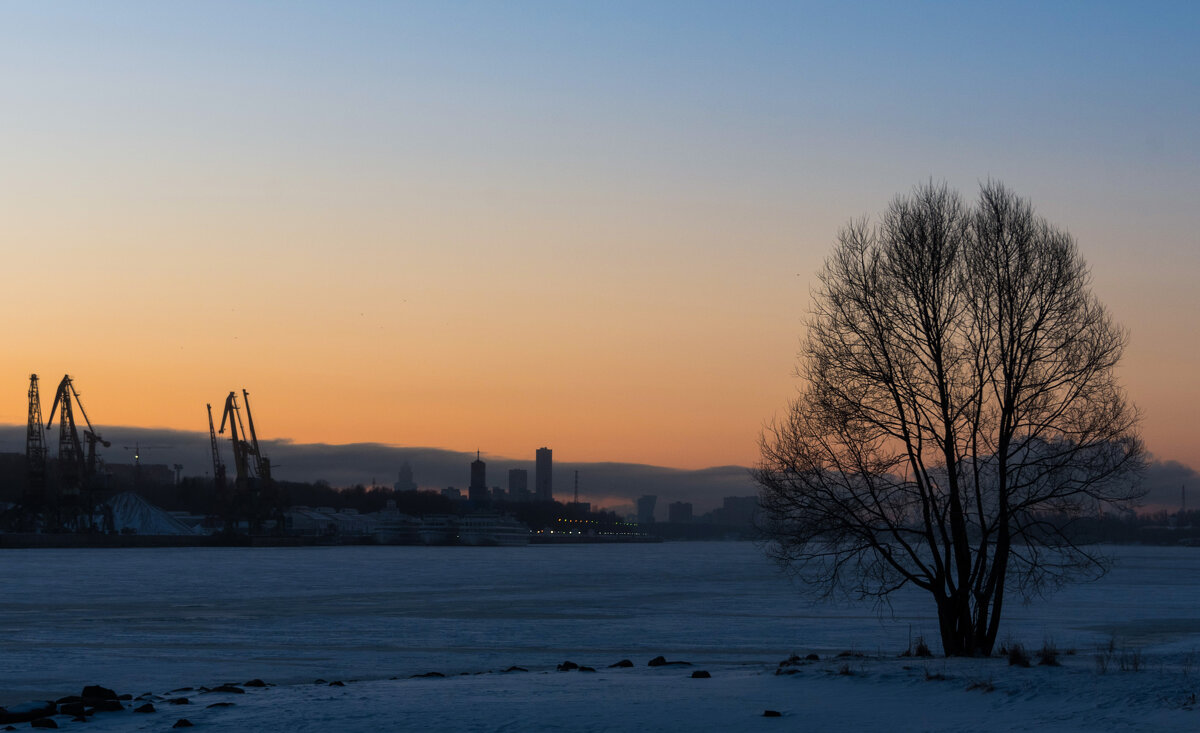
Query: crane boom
pixel 263 466
pixel 233 418
pixel 218 467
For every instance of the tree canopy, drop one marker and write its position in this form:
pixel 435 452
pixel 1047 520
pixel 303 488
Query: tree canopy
pixel 960 408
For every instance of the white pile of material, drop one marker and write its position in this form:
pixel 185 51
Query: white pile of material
pixel 132 512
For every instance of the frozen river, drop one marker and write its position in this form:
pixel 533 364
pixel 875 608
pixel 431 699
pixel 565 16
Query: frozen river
pixel 163 618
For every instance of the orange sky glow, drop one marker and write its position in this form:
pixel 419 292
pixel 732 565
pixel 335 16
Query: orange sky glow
pixel 505 232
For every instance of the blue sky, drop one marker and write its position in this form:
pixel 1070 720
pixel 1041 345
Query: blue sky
pixel 592 225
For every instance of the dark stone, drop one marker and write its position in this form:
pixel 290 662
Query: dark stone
pixel 255 683
pixel 126 697
pixel 585 668
pixel 228 688
pixel 147 708
pixel 567 666
pixel 27 711
pixel 178 701
pixel 662 662
pixel 106 706
pixel 221 705
pixel 96 692
pixel 623 663
pixel 183 689
pixel 69 699
pixel 515 668
pixel 182 723
pixel 429 674
pixel 72 708
pixel 43 723
pixel 787 670
pixel 80 719
pixel 813 657
pixel 10 727
pixel 337 683
pixel 318 681
pixel 772 714
pixel 700 675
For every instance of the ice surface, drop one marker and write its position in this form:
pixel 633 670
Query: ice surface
pixel 142 620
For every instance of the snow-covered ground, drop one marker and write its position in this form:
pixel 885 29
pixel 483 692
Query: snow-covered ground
pixel 150 621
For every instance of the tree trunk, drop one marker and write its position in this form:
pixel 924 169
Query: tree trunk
pixel 959 630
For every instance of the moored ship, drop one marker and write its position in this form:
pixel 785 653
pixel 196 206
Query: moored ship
pixel 492 531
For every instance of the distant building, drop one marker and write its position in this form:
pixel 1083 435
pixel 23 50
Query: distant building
pixel 543 480
pixel 478 492
pixel 518 485
pixel 645 509
pixel 499 494
pixel 740 509
pixel 679 511
pixel 405 482
pixel 452 493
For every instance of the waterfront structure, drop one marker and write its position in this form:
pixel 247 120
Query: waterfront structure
pixel 491 530
pixel 543 481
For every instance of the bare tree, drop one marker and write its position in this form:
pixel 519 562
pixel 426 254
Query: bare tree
pixel 960 409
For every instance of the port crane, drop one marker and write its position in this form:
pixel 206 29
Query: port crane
pixel 253 488
pixel 35 450
pixel 77 469
pixel 225 507
pixel 35 501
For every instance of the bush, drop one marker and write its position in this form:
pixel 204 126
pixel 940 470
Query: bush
pixel 1017 657
pixel 917 649
pixel 1048 654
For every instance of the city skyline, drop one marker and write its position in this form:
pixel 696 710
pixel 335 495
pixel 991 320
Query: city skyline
pixel 588 227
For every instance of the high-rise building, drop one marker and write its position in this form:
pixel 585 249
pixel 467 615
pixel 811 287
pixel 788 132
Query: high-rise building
pixel 645 506
pixel 740 509
pixel 679 511
pixel 478 492
pixel 543 481
pixel 518 485
pixel 406 482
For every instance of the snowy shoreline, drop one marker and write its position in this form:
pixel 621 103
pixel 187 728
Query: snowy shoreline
pixel 848 692
pixel 139 622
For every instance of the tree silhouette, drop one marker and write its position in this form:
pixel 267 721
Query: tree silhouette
pixel 960 408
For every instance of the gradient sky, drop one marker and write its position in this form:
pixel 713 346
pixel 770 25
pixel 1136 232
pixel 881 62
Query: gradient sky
pixel 589 225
